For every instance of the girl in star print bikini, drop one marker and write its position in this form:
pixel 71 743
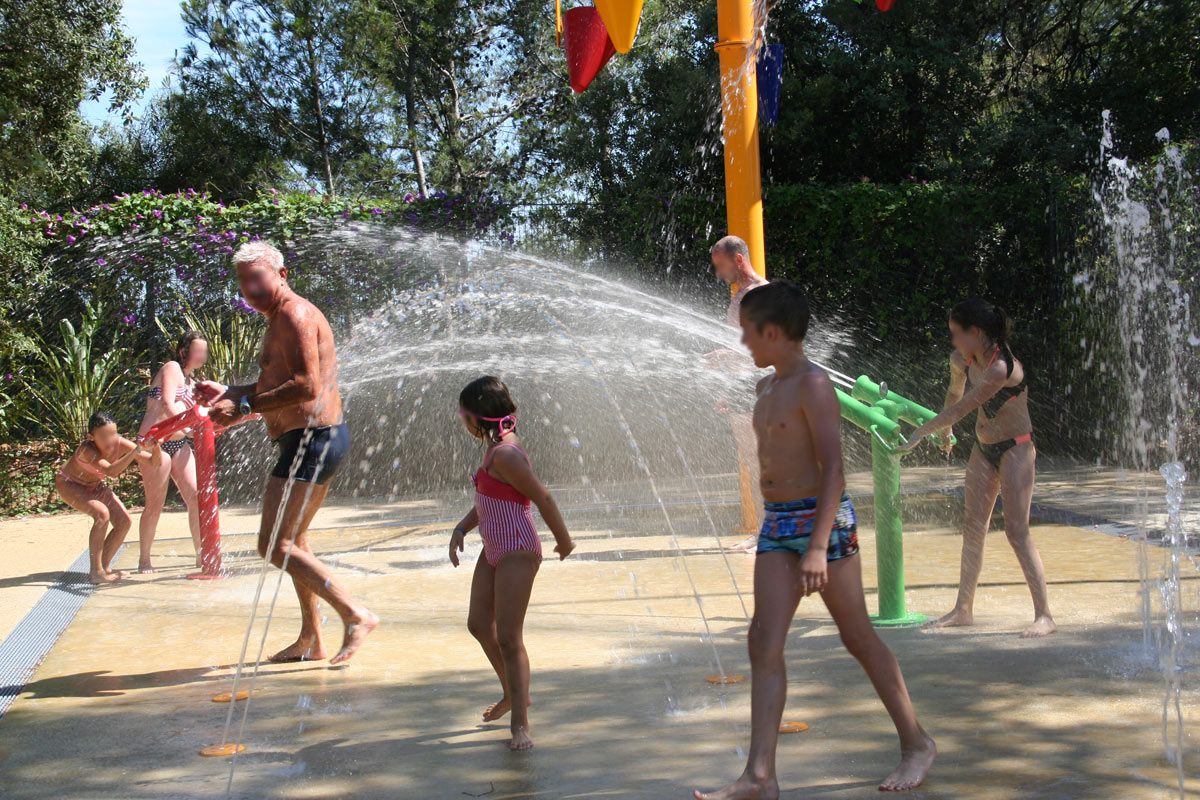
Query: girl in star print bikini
pixel 505 487
pixel 985 375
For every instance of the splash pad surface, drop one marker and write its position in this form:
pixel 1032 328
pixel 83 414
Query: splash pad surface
pixel 623 422
pixel 123 704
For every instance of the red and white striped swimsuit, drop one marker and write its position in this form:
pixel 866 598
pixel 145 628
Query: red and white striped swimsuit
pixel 505 518
pixel 184 394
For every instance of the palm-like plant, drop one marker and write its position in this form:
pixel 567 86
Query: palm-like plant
pixel 73 381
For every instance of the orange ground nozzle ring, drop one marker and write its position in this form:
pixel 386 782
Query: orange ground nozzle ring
pixel 726 679
pixel 226 697
pixel 792 727
pixel 222 750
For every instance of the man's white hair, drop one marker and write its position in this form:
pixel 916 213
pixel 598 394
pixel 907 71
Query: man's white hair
pixel 253 252
pixel 732 246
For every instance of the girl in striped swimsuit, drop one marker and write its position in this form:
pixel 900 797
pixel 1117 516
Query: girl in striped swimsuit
pixel 505 487
pixel 171 392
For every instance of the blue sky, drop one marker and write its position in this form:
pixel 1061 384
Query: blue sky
pixel 157 28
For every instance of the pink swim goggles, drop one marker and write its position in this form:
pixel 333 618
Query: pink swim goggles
pixel 507 423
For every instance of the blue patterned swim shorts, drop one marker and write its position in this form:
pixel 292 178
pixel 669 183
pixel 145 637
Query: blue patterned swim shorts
pixel 788 526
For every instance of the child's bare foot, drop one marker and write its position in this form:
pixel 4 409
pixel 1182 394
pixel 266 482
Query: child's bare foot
pixel 103 577
pixel 300 650
pixel 912 769
pixel 955 619
pixel 146 568
pixel 744 788
pixel 521 739
pixel 498 709
pixel 119 573
pixel 356 633
pixel 1042 626
pixel 747 545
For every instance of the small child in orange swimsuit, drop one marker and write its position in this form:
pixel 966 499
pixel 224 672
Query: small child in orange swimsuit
pixel 80 483
pixel 505 487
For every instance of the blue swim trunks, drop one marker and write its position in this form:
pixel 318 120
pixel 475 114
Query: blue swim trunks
pixel 788 526
pixel 312 455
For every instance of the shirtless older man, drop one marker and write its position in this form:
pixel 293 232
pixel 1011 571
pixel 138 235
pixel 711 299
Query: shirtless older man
pixel 297 395
pixel 731 262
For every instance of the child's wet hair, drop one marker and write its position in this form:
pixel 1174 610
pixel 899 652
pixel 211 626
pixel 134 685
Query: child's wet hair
pixel 99 420
pixel 780 303
pixel 989 318
pixel 487 397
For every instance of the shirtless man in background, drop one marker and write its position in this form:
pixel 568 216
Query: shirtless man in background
pixel 297 395
pixel 731 262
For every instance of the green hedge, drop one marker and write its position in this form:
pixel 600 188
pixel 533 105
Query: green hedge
pixel 899 256
pixel 153 245
pixel 885 262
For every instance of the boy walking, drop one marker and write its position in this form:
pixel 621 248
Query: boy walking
pixel 808 544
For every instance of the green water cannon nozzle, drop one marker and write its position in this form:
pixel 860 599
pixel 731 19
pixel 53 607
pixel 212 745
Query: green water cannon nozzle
pixel 867 391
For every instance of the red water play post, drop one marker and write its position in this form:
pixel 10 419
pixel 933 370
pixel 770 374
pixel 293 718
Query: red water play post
pixel 204 449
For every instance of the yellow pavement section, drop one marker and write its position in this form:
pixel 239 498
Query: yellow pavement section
pixel 36 551
pixel 620 647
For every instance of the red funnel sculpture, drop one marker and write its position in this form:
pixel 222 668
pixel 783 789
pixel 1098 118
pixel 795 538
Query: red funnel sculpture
pixel 588 45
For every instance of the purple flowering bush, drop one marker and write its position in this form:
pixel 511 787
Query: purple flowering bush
pixel 140 251
pixel 151 259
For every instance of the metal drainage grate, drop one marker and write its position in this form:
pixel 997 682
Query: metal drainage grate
pixel 29 643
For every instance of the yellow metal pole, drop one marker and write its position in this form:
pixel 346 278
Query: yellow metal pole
pixel 749 521
pixel 743 180
pixel 739 103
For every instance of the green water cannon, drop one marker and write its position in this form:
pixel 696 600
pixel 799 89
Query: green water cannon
pixel 879 411
pixel 870 395
pixel 868 391
pixel 878 417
